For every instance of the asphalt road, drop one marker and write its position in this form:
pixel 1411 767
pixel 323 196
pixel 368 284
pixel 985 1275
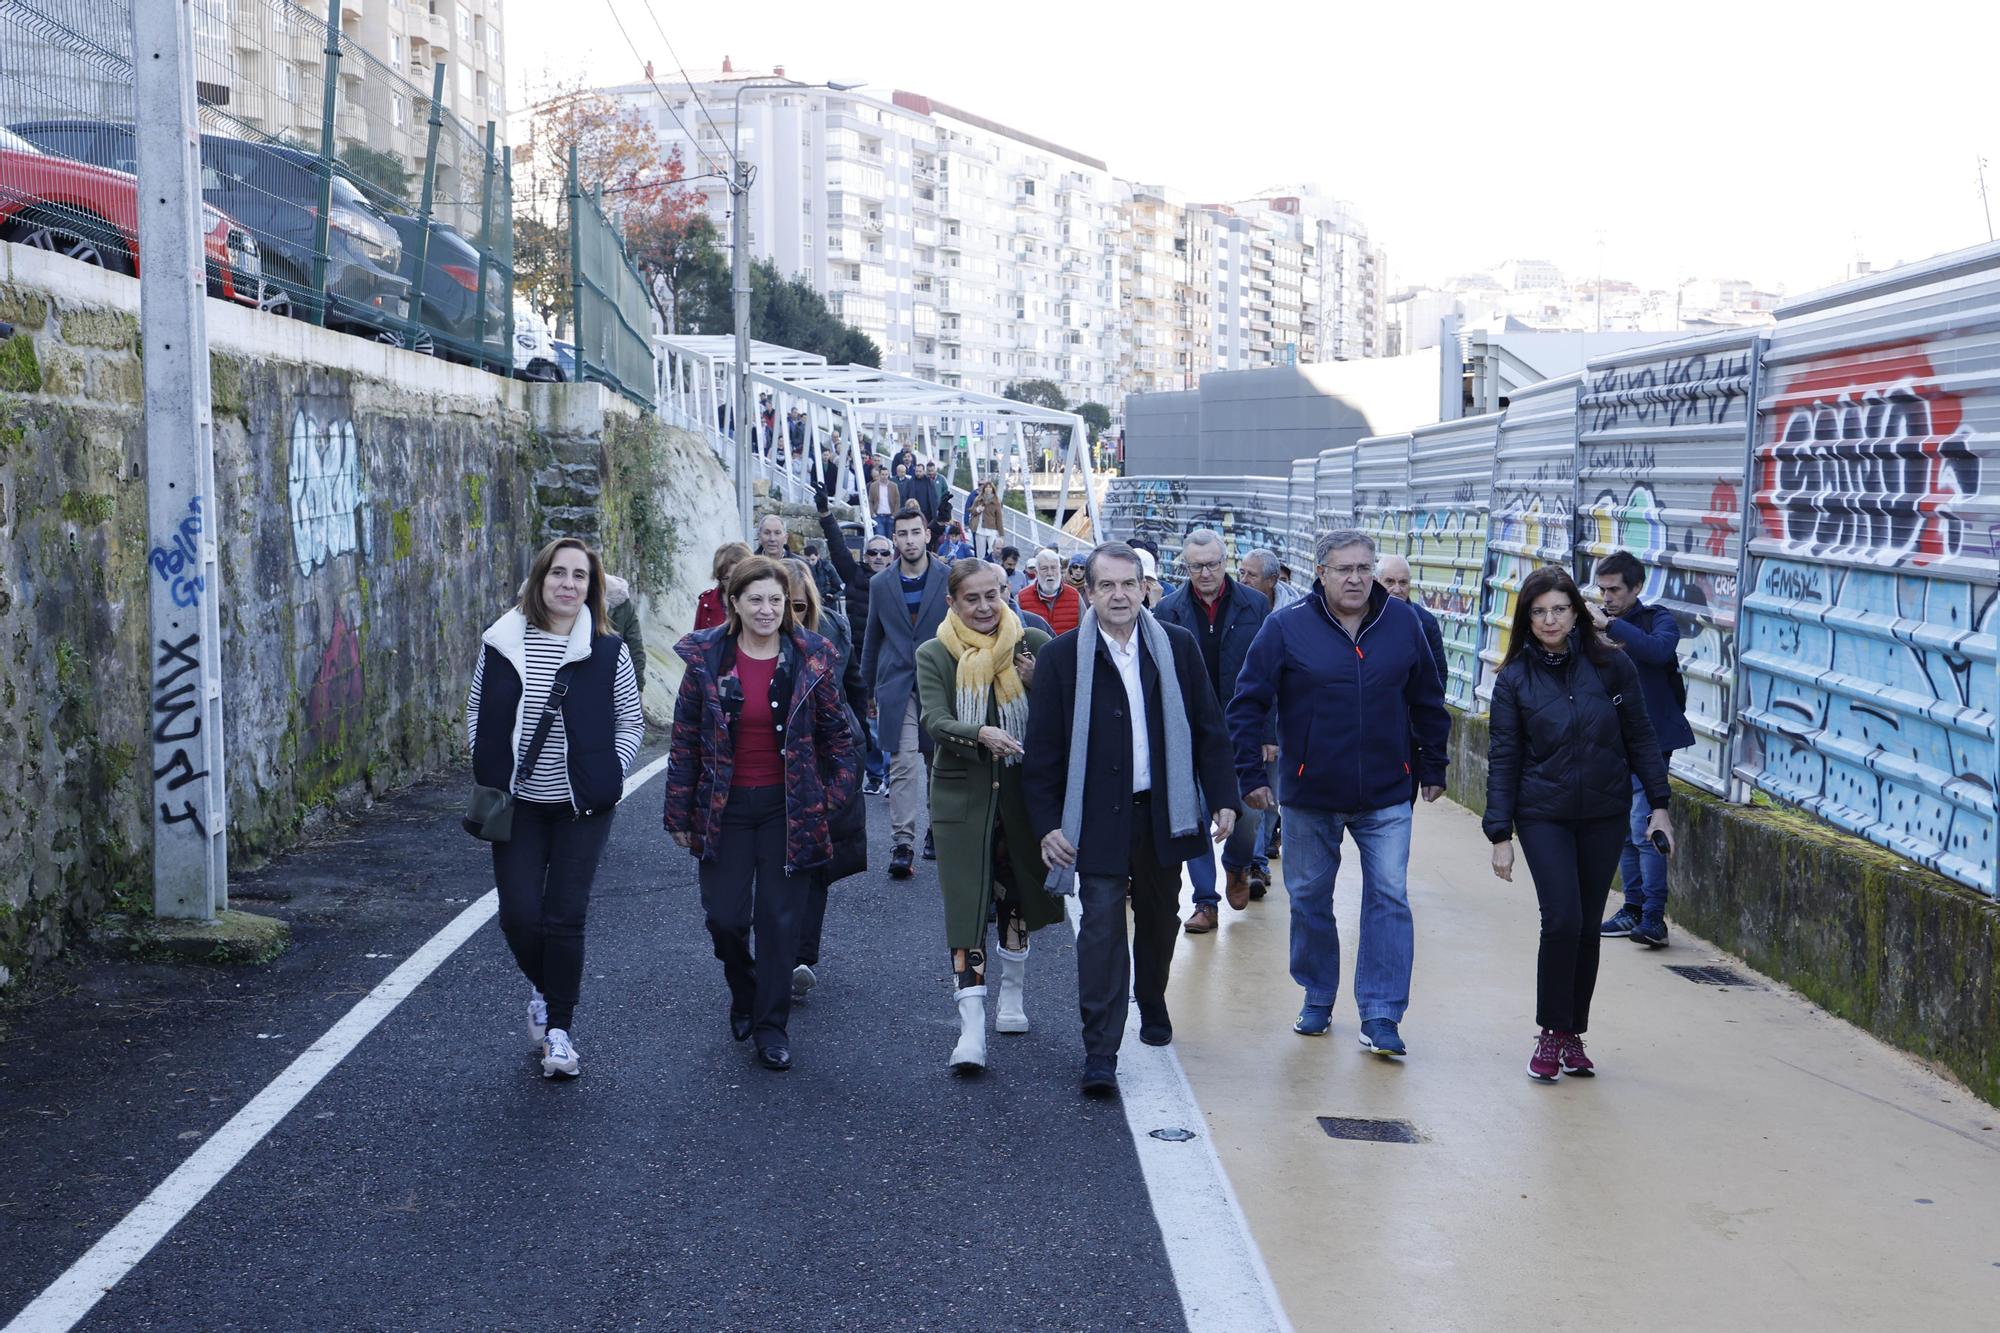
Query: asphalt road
pixel 435 1180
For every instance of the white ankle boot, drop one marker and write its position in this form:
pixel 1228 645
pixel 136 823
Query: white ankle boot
pixel 970 1053
pixel 1012 1014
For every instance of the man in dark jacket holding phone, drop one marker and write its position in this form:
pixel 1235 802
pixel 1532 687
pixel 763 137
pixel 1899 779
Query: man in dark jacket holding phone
pixel 1651 637
pixel 1360 713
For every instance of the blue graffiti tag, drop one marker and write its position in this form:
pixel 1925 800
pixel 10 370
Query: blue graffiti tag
pixel 182 554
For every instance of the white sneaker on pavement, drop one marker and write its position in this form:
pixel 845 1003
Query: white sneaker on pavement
pixel 560 1057
pixel 803 980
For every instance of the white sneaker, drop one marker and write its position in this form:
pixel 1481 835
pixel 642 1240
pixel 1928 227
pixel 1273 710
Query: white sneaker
pixel 560 1057
pixel 803 981
pixel 538 1018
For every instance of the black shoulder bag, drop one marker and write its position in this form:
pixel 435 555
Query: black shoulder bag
pixel 489 815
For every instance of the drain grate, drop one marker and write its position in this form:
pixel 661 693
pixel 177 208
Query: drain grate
pixel 1711 976
pixel 1369 1131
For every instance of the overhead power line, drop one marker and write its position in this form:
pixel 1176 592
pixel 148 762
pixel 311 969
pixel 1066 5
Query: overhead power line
pixel 695 92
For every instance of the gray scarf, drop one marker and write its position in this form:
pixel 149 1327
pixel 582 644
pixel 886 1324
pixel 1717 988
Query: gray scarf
pixel 1174 758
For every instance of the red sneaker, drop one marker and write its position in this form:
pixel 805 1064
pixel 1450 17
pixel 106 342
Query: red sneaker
pixel 1545 1065
pixel 1574 1061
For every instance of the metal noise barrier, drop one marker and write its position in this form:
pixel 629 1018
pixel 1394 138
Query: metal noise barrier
pixel 1818 507
pixel 338 189
pixel 612 313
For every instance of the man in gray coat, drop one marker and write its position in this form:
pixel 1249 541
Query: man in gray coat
pixel 906 604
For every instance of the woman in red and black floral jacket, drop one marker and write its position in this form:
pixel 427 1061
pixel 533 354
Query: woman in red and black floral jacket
pixel 762 755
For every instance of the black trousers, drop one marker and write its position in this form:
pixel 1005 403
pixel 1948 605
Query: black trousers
pixel 1572 862
pixel 812 917
pixel 1105 972
pixel 744 888
pixel 544 874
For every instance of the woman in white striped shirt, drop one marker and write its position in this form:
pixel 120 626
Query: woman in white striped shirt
pixel 564 800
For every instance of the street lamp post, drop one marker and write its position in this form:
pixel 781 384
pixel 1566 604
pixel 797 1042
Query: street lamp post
pixel 739 239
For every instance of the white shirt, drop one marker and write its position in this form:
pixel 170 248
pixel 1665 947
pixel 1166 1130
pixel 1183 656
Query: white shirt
pixel 1126 658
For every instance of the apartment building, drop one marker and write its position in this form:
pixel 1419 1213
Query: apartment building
pixel 1166 272
pixel 1259 287
pixel 972 252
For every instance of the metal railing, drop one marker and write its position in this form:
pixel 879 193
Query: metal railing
pixel 337 190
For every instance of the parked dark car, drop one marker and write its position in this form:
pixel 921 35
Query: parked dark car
pixel 448 318
pixel 91 214
pixel 274 192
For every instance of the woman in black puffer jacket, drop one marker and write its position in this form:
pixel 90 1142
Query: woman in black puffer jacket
pixel 1569 729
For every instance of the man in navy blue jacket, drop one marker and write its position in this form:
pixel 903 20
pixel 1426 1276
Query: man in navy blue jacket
pixel 1359 714
pixel 1651 637
pixel 1224 616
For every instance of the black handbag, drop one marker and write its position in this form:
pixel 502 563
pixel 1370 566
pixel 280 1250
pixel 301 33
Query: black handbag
pixel 849 828
pixel 489 814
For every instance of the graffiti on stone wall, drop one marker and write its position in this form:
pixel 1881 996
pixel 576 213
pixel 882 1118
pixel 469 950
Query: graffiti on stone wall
pixel 335 699
pixel 1867 460
pixel 177 559
pixel 326 490
pixel 1878 729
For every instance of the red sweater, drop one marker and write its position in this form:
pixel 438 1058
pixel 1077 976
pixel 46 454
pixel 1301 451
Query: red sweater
pixel 1062 614
pixel 708 610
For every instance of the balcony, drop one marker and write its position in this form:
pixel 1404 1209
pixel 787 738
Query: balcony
pixel 438 32
pixel 350 11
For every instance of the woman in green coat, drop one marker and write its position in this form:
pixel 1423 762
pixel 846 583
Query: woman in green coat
pixel 972 681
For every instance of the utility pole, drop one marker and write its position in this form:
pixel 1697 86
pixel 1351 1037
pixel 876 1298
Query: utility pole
pixel 184 646
pixel 739 244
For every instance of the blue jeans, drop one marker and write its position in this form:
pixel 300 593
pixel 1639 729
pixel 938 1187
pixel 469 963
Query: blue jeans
pixel 1236 855
pixel 1388 936
pixel 885 525
pixel 1643 870
pixel 877 763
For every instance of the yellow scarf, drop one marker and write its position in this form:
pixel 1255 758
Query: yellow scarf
pixel 986 670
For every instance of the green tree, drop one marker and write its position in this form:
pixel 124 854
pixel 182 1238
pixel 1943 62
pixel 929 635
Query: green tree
pixel 541 266
pixel 1040 393
pixel 1096 418
pixel 384 170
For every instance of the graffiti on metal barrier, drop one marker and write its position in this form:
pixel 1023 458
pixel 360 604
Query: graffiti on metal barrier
pixel 1867 460
pixel 1705 389
pixel 1881 731
pixel 177 560
pixel 326 490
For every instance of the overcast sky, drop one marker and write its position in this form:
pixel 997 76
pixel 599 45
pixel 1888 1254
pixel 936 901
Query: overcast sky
pixel 1773 142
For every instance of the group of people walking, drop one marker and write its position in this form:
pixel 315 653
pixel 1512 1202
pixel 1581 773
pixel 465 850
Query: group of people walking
pixel 1060 738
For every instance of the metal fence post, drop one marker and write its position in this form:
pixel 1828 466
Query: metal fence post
pixel 575 267
pixel 321 220
pixel 485 259
pixel 507 276
pixel 184 647
pixel 436 122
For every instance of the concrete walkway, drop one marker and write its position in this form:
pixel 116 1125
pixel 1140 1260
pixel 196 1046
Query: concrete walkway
pixel 1742 1160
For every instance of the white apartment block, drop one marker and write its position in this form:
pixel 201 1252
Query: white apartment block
pixel 971 252
pixel 1166 272
pixel 1259 288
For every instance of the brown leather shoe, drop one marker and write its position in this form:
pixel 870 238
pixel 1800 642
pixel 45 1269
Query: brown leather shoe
pixel 1201 921
pixel 1238 890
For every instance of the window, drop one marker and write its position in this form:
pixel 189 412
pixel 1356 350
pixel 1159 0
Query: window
pixel 464 25
pixel 288 81
pixel 211 22
pixel 465 92
pixel 399 113
pixel 396 51
pixel 492 41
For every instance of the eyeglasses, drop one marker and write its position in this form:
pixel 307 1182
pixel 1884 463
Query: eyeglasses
pixel 1349 571
pixel 877 553
pixel 1552 612
pixel 799 608
pixel 1203 566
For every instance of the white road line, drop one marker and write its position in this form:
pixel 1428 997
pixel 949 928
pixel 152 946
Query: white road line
pixel 1217 1266
pixel 70 1297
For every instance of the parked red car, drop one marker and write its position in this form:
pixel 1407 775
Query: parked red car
pixel 92 214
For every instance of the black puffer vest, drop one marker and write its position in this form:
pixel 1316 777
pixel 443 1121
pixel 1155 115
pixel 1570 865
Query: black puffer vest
pixel 596 777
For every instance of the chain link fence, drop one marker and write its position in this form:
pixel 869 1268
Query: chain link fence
pixel 338 188
pixel 610 313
